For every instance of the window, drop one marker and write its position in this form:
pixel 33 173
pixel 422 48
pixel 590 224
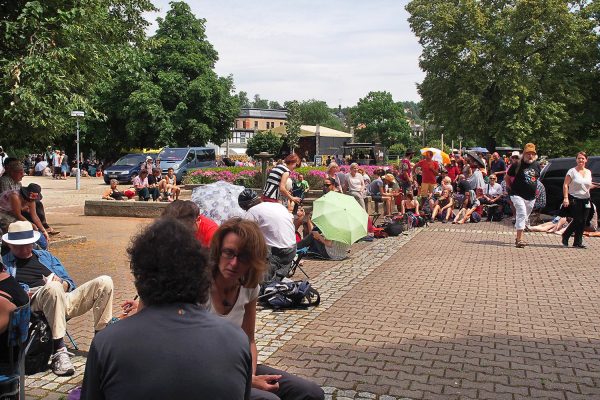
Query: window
pixel 243 136
pixel 245 126
pixel 237 124
pixel 272 124
pixel 255 124
pixel 281 124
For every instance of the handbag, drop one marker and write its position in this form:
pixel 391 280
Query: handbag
pixel 564 212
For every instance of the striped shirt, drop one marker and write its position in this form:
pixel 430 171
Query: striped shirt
pixel 271 189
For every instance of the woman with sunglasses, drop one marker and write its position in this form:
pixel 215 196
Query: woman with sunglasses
pixel 238 262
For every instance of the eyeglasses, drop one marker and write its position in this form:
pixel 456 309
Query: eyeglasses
pixel 230 255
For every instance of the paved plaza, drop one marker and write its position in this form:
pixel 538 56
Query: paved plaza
pixel 444 312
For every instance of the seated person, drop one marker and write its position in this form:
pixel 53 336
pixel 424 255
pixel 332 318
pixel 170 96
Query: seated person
pixel 188 212
pixel 12 296
pixel 17 205
pixel 321 247
pixel 113 193
pixel 468 206
pixel 238 257
pixel 409 204
pixel 557 224
pixel 140 183
pixel 40 166
pixel 155 183
pixel 171 188
pixel 493 194
pixel 443 206
pixel 393 189
pixel 376 190
pixel 194 354
pixel 52 290
pixel 462 186
pixel 277 226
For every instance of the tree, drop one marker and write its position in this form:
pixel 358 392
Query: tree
pixel 274 105
pixel 505 72
pixel 264 141
pixel 49 54
pixel 317 112
pixel 293 125
pixel 244 100
pixel 379 119
pixel 260 103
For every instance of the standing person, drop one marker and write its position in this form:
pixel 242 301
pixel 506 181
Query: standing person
pixel 498 167
pixel 576 197
pixel 526 173
pixel 64 164
pixel 56 164
pixel 196 354
pixel 238 254
pixel 405 171
pixel 453 170
pixel 429 171
pixel 3 156
pixel 276 184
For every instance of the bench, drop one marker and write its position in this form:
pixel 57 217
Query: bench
pixel 137 209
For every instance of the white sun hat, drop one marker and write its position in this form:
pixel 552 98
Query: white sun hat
pixel 21 232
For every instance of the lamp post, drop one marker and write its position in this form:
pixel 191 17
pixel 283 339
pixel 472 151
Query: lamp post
pixel 77 115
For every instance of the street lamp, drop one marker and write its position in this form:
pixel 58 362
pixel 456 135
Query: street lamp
pixel 77 115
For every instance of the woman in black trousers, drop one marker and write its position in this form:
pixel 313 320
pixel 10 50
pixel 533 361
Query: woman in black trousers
pixel 576 196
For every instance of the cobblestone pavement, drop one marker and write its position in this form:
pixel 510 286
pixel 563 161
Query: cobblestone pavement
pixel 446 312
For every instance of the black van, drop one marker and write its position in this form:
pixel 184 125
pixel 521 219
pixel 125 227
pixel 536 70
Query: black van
pixel 553 177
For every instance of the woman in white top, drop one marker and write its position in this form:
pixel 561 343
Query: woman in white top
pixel 238 258
pixel 576 196
pixel 355 185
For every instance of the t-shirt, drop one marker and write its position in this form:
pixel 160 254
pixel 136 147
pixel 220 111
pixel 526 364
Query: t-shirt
pixel 206 229
pixel 579 186
pixel 427 175
pixel 271 189
pixel 476 180
pixel 236 315
pixel 375 186
pixel 405 171
pixel 525 183
pixel 453 172
pixel 498 166
pixel 173 351
pixel 275 222
pixel 31 271
pixel 19 298
pixel 153 180
pixel 355 183
pixel 138 183
pixel 463 186
pixel 493 190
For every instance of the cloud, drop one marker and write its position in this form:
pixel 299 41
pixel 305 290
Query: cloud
pixel 333 51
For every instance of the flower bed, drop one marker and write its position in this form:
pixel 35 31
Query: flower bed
pixel 251 176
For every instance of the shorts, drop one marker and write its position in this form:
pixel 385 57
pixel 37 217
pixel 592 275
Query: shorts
pixel 426 189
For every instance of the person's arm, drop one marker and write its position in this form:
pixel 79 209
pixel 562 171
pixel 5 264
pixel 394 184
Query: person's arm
pixel 402 208
pixel 106 194
pixel 417 211
pixel 36 220
pixel 321 238
pixel 262 382
pixel 6 307
pixel 566 183
pixel 283 190
pixel 58 268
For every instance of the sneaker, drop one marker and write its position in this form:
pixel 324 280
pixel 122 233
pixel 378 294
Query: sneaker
pixel 61 363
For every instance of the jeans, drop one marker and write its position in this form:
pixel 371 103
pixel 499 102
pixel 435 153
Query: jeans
pixel 291 387
pixel 579 212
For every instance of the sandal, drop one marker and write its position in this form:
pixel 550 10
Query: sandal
pixel 520 244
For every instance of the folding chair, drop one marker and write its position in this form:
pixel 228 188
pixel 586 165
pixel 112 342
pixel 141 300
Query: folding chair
pixel 12 384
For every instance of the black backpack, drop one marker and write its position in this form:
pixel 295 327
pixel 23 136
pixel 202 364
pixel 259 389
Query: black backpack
pixel 395 228
pixel 39 345
pixel 289 294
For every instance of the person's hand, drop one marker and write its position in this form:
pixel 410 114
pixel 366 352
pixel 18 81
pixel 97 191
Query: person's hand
pixel 565 202
pixel 296 200
pixel 268 383
pixel 45 233
pixel 129 307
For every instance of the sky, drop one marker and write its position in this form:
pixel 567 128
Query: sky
pixel 332 50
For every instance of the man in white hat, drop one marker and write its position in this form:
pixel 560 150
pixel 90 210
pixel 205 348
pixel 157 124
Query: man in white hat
pixel 52 290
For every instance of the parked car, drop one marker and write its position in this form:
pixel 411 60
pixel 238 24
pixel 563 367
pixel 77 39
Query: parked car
pixel 184 159
pixel 553 177
pixel 126 168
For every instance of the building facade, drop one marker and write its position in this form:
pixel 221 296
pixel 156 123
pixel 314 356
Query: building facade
pixel 250 121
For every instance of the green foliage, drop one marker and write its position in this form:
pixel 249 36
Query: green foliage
pixel 244 100
pixel 264 141
pixel 316 112
pixel 293 126
pixel 260 103
pixel 50 52
pixel 379 119
pixel 510 71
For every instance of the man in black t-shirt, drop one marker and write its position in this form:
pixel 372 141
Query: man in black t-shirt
pixel 155 182
pixel 522 189
pixel 498 167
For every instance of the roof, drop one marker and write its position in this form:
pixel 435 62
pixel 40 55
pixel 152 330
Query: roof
pixel 262 113
pixel 310 131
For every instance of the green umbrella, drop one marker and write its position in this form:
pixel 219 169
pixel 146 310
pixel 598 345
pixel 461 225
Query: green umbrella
pixel 340 217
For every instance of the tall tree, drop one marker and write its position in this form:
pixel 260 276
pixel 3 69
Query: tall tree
pixel 317 112
pixel 504 72
pixel 260 103
pixel 244 100
pixel 274 105
pixel 293 125
pixel 378 118
pixel 50 52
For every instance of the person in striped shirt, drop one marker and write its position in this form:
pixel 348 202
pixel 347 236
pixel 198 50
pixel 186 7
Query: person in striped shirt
pixel 275 187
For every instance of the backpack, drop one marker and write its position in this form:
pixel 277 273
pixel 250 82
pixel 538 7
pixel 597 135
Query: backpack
pixel 395 228
pixel 475 217
pixel 39 343
pixel 289 294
